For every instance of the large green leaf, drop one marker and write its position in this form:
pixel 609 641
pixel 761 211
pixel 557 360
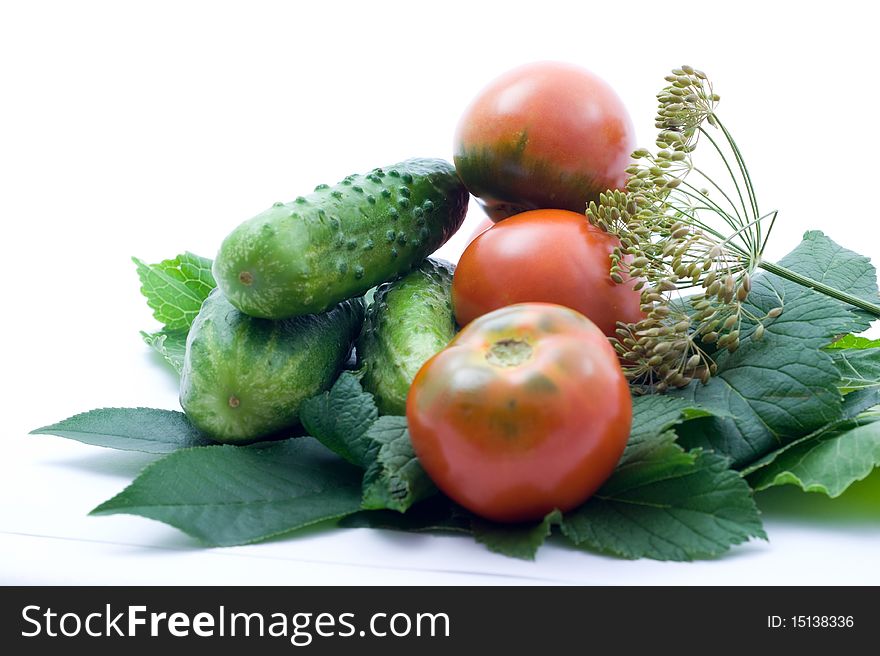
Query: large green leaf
pixel 830 463
pixel 675 505
pixel 782 387
pixel 227 495
pixel 131 429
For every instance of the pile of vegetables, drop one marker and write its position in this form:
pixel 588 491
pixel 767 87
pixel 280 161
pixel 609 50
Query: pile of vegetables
pixel 612 361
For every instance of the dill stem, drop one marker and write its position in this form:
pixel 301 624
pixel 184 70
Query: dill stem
pixel 821 287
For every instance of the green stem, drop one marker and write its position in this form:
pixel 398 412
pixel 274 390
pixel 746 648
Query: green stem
pixel 730 172
pixel 696 194
pixel 723 193
pixel 821 287
pixel 750 189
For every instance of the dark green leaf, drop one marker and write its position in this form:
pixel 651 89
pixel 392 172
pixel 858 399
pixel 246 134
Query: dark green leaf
pixel 653 416
pixel 516 540
pixel 829 463
pixel 346 420
pixel 436 513
pixel 340 418
pixel 176 288
pixel 170 344
pixel 674 506
pixel 822 259
pixel 857 401
pixel 227 495
pixel 131 429
pixel 395 479
pixel 854 404
pixel 782 387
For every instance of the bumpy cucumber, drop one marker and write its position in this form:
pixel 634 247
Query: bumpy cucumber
pixel 409 320
pixel 302 257
pixel 244 378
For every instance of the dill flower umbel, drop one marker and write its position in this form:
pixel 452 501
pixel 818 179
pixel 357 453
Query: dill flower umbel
pixel 680 229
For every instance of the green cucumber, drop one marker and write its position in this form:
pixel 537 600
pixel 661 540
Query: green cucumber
pixel 244 378
pixel 338 242
pixel 409 321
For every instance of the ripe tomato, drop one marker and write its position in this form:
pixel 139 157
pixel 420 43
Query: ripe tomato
pixel 525 411
pixel 550 256
pixel 543 135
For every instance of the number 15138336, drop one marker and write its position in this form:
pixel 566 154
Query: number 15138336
pixel 810 622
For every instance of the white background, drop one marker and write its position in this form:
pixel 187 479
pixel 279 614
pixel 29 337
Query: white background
pixel 151 128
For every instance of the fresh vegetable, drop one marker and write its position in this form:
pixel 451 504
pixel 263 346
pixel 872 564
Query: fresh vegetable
pixel 545 135
pixel 244 378
pixel 305 256
pixel 788 398
pixel 526 411
pixel 408 321
pixel 550 256
pixel 772 415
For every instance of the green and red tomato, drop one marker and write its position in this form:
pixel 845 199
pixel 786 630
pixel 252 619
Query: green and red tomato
pixel 544 135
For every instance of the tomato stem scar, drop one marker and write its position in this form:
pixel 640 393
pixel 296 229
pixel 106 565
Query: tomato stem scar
pixel 508 353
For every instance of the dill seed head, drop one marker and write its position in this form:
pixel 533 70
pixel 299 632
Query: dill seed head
pixel 669 232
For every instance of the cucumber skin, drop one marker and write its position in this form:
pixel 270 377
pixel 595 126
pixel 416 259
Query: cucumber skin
pixel 408 322
pixel 338 242
pixel 270 367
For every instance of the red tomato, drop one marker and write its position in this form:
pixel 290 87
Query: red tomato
pixel 550 256
pixel 525 411
pixel 543 135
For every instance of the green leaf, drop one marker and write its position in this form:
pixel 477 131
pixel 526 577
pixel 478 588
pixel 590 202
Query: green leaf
pixel 170 344
pixel 859 368
pixel 227 495
pixel 131 429
pixel 854 404
pixel 515 540
pixel 345 420
pixel 653 416
pixel 395 479
pixel 782 387
pixel 340 419
pixel 853 342
pixel 829 463
pixel 437 513
pixel 675 506
pixel 176 288
pixel 440 514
